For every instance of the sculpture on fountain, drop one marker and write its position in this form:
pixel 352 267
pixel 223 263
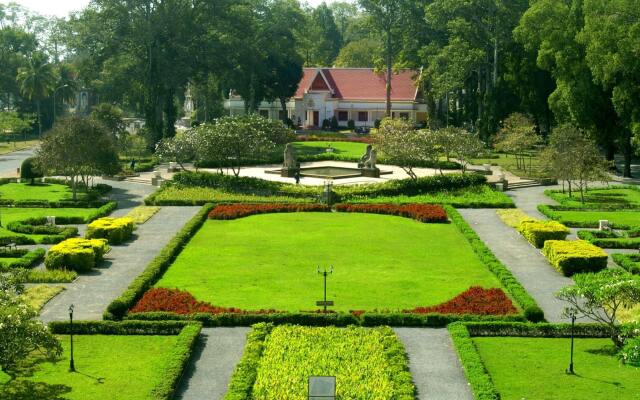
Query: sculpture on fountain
pixel 289 166
pixel 368 162
pixel 365 157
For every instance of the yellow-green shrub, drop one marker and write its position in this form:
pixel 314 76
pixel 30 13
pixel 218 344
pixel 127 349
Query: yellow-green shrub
pixel 76 254
pixel 538 232
pixel 115 230
pixel 576 256
pixel 513 217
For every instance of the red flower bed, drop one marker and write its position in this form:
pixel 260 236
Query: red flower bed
pixel 420 212
pixel 233 211
pixel 475 300
pixel 182 302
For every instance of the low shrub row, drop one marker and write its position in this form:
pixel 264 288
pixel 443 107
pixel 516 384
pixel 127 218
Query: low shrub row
pixel 475 300
pixel 37 226
pixel 80 255
pixel 630 262
pixel 115 230
pixel 514 218
pixel 234 211
pixel 52 204
pixel 26 258
pixel 611 239
pixel 555 213
pixel 171 194
pixel 182 302
pixel 51 276
pixel 118 308
pixel 419 212
pixel 529 306
pixel 538 232
pixel 576 256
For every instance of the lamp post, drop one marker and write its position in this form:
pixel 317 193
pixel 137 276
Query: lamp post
pixel 54 101
pixel 572 315
pixel 324 273
pixel 72 367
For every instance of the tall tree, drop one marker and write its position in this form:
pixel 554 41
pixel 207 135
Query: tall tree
pixel 37 81
pixel 324 38
pixel 361 53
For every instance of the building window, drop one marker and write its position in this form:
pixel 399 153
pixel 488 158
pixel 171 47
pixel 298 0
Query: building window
pixel 282 115
pixel 404 115
pixel 343 115
pixel 264 113
pixel 363 116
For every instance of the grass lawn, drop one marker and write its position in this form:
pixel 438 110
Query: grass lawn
pixel 380 262
pixel 24 191
pixel 508 162
pixel 482 196
pixel 342 149
pixel 594 198
pixel 16 214
pixel 533 368
pixel 108 367
pixel 619 219
pixel 367 363
pixel 38 295
pixel 8 147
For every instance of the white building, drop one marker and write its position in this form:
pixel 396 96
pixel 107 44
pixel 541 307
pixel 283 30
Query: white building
pixel 357 94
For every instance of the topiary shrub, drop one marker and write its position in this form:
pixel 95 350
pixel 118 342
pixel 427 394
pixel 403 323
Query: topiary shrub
pixel 326 124
pixel 538 232
pixel 115 230
pixel 76 254
pixel 29 171
pixel 334 123
pixel 351 124
pixel 576 256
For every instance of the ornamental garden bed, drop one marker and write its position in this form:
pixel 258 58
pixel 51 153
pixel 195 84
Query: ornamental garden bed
pixel 499 360
pixel 575 256
pixel 577 218
pixel 629 239
pixel 382 265
pixel 20 258
pixel 614 197
pixel 128 361
pixel 630 262
pixel 277 362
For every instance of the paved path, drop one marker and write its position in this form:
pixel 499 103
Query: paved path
pixel 527 199
pixel 10 162
pixel 526 263
pixel 434 364
pixel 212 363
pixel 92 293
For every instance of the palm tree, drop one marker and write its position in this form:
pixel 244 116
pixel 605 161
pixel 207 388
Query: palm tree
pixel 37 81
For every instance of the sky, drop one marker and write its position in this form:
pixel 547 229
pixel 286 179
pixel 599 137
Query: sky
pixel 62 8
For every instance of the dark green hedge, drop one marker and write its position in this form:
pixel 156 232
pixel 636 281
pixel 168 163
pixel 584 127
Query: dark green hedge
pixel 531 309
pixel 119 328
pixel 552 213
pixel 630 262
pixel 119 307
pixel 27 258
pixel 609 239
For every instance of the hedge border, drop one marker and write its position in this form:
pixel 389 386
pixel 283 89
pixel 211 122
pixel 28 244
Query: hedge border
pixel 187 336
pixel 28 260
pixel 531 310
pixel 610 242
pixel 625 261
pixel 550 193
pixel 462 334
pixel 551 212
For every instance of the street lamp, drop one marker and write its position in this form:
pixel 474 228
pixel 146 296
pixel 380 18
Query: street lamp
pixel 324 273
pixel 571 314
pixel 54 101
pixel 72 367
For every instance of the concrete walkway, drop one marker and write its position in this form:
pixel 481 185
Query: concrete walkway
pixel 91 294
pixel 526 263
pixel 10 162
pixel 212 363
pixel 434 364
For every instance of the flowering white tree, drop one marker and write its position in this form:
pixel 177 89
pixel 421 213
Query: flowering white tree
pixel 20 333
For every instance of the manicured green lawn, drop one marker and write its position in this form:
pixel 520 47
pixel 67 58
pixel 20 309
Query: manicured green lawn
pixel 380 262
pixel 480 196
pixel 343 149
pixel 619 219
pixel 16 214
pixel 608 197
pixel 38 295
pixel 368 363
pixel 508 162
pixel 108 367
pixel 15 145
pixel 39 191
pixel 533 368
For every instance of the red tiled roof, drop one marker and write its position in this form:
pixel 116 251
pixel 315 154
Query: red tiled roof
pixel 361 84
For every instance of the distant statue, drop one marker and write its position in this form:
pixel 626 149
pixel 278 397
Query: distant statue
pixel 370 163
pixel 289 157
pixel 365 157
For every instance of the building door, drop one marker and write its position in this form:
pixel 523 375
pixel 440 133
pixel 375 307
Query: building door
pixel 316 118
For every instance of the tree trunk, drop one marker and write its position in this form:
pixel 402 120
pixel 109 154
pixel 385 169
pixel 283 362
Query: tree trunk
pixel 627 149
pixel 39 120
pixel 389 72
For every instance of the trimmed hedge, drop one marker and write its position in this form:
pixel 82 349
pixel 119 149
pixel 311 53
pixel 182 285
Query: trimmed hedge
pixel 115 230
pixel 630 262
pixel 531 309
pixel 80 255
pixel 246 371
pixel 552 213
pixel 538 232
pixel 576 256
pixel 27 258
pixel 51 276
pixel 611 239
pixel 118 308
pixel 37 226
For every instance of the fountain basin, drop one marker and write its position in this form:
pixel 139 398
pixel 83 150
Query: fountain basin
pixel 329 172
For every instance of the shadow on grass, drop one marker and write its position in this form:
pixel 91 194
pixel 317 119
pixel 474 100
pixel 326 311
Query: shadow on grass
pixel 26 390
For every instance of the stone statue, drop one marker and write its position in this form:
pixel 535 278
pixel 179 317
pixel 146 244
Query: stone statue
pixel 370 163
pixel 365 157
pixel 289 157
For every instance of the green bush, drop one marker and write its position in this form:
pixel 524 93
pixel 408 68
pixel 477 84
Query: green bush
pixel 28 170
pixel 51 276
pixel 80 255
pixel 630 262
pixel 630 354
pixel 612 239
pixel 115 230
pixel 571 257
pixel 538 232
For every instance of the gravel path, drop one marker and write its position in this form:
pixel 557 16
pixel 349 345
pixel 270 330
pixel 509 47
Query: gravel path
pixel 92 293
pixel 212 363
pixel 526 263
pixel 434 364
